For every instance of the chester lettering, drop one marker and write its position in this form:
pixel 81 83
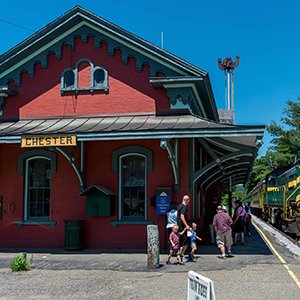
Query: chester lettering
pixel 47 141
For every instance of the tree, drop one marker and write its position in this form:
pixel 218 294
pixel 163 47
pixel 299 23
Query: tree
pixel 285 145
pixel 261 167
pixel 286 142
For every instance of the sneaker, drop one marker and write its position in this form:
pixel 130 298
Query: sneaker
pixel 181 263
pixel 242 244
pixel 222 257
pixel 184 260
pixel 229 255
pixel 168 262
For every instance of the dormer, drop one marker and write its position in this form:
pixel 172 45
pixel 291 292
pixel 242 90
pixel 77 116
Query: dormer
pixel 71 78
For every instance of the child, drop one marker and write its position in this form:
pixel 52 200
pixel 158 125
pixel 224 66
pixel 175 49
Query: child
pixel 174 241
pixel 193 238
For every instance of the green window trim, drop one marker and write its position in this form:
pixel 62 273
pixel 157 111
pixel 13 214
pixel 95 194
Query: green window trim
pixel 40 194
pixel 131 150
pixel 95 83
pixel 32 153
pixel 117 157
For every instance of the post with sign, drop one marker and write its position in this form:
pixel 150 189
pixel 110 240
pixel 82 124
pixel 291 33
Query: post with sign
pixel 153 247
pixel 200 287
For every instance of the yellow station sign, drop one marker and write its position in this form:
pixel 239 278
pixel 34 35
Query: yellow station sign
pixel 48 141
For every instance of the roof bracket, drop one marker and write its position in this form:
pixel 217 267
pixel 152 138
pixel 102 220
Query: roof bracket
pixel 71 160
pixel 173 157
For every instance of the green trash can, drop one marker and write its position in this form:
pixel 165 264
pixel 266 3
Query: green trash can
pixel 73 234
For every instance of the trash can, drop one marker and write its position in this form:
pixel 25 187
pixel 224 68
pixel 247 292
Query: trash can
pixel 73 234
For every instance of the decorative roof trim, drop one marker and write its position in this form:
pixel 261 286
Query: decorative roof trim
pixel 109 29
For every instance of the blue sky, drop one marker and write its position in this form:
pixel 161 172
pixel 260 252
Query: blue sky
pixel 264 33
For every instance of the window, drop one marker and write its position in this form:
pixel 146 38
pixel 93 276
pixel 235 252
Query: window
pixel 99 77
pixel 132 163
pixel 37 188
pixel 68 80
pixel 84 77
pixel 132 186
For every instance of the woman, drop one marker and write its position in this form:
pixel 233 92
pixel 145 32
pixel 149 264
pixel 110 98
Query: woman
pixel 172 216
pixel 239 222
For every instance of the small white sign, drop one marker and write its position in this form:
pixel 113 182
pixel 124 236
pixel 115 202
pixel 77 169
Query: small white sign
pixel 200 287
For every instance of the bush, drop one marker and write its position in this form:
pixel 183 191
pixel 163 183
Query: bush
pixel 20 263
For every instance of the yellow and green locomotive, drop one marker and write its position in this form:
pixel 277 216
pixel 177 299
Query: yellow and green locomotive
pixel 277 198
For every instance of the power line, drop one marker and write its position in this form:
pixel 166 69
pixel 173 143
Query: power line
pixel 16 25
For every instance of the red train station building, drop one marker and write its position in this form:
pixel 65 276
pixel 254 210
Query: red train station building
pixel 101 126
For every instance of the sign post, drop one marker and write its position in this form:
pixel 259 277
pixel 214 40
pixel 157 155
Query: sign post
pixel 200 287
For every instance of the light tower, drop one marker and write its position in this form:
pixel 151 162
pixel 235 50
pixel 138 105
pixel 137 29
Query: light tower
pixel 228 66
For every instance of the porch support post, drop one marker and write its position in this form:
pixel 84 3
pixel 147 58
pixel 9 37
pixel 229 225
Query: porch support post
pixel 230 197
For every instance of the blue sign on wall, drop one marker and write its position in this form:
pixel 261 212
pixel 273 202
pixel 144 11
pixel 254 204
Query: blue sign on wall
pixel 162 203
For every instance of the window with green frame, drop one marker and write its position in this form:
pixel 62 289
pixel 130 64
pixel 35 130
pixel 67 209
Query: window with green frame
pixel 37 188
pixel 132 186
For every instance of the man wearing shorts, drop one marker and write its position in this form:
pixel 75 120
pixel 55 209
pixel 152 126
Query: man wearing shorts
pixel 222 224
pixel 182 219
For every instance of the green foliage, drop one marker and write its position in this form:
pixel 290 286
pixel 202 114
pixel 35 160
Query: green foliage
pixel 20 263
pixel 238 193
pixel 285 148
pixel 286 137
pixel 260 169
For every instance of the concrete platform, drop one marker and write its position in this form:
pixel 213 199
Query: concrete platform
pixel 253 273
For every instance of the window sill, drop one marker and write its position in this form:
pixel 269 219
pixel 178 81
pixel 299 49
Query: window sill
pixel 20 224
pixel 87 89
pixel 129 222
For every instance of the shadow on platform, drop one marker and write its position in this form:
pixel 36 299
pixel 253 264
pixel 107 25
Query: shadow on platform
pixel 254 245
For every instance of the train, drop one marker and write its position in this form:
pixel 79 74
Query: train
pixel 276 199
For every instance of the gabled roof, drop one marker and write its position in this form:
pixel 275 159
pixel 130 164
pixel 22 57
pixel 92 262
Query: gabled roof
pixel 79 21
pixel 77 15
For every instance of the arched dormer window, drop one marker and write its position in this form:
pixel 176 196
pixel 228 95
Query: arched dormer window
pixel 100 77
pixel 84 77
pixel 68 79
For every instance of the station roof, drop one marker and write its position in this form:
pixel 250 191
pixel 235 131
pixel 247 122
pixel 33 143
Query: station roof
pixel 128 127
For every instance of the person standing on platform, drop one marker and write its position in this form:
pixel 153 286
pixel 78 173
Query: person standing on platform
pixel 182 219
pixel 210 216
pixel 174 245
pixel 193 239
pixel 222 225
pixel 239 222
pixel 248 218
pixel 172 216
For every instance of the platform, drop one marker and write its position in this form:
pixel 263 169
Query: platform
pixel 254 272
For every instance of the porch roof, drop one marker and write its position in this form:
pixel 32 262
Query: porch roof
pixel 129 127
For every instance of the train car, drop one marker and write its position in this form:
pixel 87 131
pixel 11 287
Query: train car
pixel 256 198
pixel 277 198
